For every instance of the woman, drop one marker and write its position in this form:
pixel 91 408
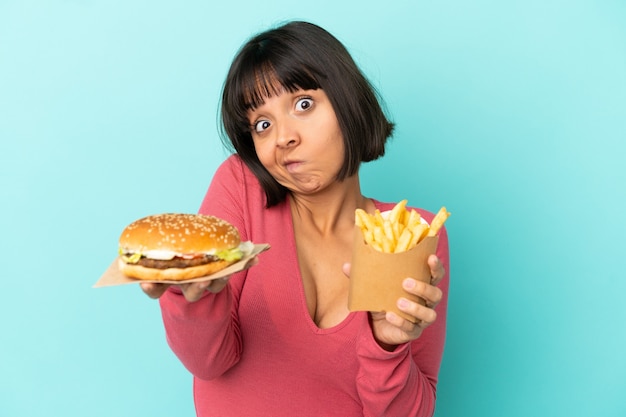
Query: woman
pixel 278 339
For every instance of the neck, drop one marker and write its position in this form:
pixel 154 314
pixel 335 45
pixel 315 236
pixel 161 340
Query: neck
pixel 331 210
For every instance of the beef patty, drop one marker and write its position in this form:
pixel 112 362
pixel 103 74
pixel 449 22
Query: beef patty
pixel 176 262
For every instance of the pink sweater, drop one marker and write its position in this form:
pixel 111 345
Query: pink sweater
pixel 254 350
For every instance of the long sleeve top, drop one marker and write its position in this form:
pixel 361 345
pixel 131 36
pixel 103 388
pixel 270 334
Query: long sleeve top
pixel 253 349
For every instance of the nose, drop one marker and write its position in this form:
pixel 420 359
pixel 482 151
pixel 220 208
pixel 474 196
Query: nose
pixel 287 135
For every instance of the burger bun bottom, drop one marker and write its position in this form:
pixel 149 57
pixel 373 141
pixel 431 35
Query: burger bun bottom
pixel 171 274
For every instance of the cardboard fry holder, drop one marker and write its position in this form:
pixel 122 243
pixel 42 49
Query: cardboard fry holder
pixel 376 277
pixel 113 276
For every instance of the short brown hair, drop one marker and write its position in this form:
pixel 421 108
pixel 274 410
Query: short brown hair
pixel 301 55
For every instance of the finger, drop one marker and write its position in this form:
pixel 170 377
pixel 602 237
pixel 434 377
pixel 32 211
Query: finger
pixel 424 315
pixel 429 293
pixel 346 269
pixel 193 291
pixel 218 284
pixel 153 290
pixel 437 271
pixel 398 321
pixel 411 329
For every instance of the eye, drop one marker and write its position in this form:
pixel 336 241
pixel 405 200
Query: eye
pixel 304 104
pixel 261 125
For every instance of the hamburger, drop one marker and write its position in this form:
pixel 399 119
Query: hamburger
pixel 177 246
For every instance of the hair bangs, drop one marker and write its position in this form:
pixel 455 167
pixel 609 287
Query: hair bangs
pixel 267 79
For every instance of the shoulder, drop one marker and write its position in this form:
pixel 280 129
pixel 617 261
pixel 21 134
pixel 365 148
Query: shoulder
pixel 232 189
pixel 234 166
pixel 233 172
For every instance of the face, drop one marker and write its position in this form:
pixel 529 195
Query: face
pixel 298 140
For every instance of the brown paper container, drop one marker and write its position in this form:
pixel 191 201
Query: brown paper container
pixel 376 277
pixel 113 276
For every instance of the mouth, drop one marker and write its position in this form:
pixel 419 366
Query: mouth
pixel 292 165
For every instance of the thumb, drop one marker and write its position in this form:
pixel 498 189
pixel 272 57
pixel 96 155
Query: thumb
pixel 346 268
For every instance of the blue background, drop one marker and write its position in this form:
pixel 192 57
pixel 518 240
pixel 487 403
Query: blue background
pixel 510 113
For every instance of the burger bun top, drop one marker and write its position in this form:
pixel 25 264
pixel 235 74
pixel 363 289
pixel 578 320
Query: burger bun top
pixel 179 232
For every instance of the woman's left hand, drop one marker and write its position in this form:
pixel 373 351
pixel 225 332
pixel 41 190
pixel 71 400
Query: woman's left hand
pixel 391 329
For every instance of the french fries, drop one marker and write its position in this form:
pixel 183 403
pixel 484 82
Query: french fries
pixel 397 230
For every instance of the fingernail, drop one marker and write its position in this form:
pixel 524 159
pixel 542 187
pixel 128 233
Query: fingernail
pixel 409 283
pixel 403 303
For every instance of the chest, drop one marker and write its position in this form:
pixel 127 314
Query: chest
pixel 325 285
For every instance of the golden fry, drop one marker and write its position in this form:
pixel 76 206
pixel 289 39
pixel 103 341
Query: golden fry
pixel 419 232
pixel 388 245
pixel 379 234
pixel 397 230
pixel 404 241
pixel 414 219
pixel 395 214
pixel 382 241
pixel 388 229
pixel 377 246
pixel 366 219
pixel 440 218
pixel 358 220
pixel 378 218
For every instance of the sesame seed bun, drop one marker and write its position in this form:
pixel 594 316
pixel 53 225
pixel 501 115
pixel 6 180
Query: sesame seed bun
pixel 193 241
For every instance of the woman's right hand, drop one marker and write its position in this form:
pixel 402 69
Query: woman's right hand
pixel 192 291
